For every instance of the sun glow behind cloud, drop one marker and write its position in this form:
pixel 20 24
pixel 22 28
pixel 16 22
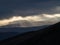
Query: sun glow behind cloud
pixel 42 17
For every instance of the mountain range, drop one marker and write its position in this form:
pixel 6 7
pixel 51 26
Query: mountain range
pixel 47 36
pixel 8 32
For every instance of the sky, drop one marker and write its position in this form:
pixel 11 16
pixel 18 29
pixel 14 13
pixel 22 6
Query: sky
pixel 29 11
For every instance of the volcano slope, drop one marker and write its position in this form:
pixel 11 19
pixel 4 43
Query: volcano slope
pixel 46 36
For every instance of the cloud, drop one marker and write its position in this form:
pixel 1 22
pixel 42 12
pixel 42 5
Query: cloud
pixel 36 18
pixel 9 8
pixel 29 10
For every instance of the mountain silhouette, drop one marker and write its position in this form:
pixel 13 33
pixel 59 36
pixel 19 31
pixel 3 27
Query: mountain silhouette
pixel 46 36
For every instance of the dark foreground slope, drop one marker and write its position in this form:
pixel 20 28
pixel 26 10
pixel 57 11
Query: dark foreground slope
pixel 47 36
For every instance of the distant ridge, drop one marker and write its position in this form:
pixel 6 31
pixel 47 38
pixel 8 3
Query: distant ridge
pixel 46 36
pixel 21 29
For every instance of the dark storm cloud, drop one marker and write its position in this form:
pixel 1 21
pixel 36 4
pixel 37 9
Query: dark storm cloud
pixel 27 7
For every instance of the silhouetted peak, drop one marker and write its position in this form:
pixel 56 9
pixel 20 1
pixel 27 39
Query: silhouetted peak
pixel 53 27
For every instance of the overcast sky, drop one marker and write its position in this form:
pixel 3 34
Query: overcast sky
pixel 28 7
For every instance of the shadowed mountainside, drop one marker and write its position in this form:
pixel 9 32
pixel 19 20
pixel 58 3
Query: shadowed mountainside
pixel 6 33
pixel 46 36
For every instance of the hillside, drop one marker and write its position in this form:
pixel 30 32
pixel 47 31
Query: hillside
pixel 6 33
pixel 46 36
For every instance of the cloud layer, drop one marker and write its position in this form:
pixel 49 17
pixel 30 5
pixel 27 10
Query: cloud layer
pixel 9 8
pixel 36 18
